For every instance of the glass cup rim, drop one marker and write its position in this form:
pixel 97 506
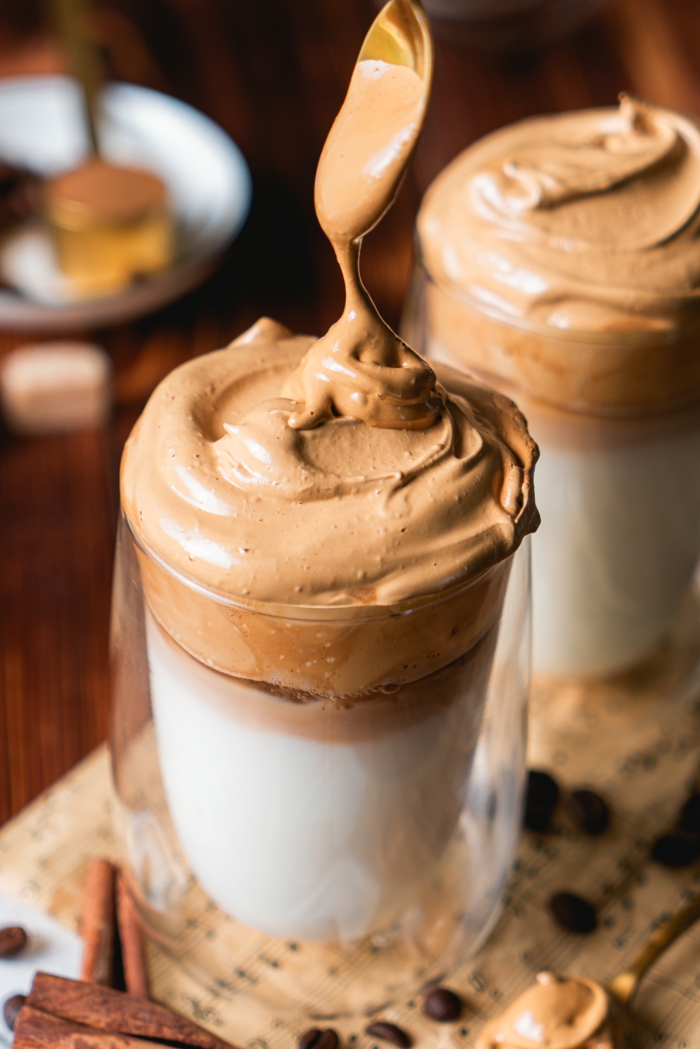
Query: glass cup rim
pixel 609 337
pixel 322 614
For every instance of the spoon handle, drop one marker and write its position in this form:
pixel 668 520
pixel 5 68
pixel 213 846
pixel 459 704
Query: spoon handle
pixel 624 985
pixel 70 17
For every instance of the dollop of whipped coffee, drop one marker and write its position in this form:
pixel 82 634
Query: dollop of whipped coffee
pixel 557 1013
pixel 586 220
pixel 339 471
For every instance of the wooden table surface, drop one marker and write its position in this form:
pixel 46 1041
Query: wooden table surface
pixel 273 74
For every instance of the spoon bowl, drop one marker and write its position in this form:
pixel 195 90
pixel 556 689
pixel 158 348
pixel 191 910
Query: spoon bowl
pixel 399 35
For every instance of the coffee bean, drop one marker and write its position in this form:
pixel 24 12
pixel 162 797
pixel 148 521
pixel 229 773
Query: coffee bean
pixel 573 913
pixel 328 1040
pixel 442 1005
pixel 11 1008
pixel 675 850
pixel 690 815
pixel 389 1032
pixel 12 940
pixel 541 797
pixel 316 1039
pixel 589 811
pixel 309 1038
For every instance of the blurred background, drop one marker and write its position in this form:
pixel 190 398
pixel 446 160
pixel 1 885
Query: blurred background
pixel 272 75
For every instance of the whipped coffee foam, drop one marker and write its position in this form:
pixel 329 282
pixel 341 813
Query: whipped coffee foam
pixel 345 520
pixel 217 482
pixel 578 232
pixel 585 220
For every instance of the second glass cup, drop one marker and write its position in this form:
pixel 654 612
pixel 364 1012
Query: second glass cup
pixel 531 274
pixel 619 486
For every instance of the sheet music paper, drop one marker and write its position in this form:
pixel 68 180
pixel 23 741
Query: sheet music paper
pixel 641 751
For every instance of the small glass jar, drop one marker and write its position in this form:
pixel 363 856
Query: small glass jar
pixel 110 225
pixel 618 480
pixel 263 825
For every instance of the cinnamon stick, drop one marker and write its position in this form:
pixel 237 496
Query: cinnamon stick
pixel 98 922
pixel 133 952
pixel 116 1012
pixel 35 1029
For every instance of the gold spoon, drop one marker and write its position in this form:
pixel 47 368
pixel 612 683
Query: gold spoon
pixel 624 986
pixel 70 18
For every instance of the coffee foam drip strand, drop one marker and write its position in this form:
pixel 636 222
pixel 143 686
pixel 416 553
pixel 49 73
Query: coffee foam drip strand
pixel 361 369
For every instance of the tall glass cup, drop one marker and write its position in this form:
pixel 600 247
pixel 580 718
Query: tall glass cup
pixel 271 836
pixel 618 481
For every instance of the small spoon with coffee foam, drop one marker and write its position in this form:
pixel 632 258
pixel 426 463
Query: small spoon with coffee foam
pixel 562 1012
pixel 361 369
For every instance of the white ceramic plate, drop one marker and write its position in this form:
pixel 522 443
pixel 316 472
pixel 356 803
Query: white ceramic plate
pixel 41 127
